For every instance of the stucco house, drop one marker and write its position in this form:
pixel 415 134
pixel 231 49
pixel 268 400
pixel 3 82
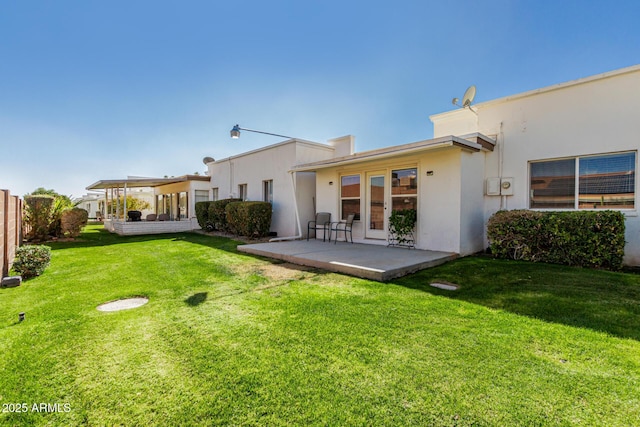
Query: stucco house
pixel 265 174
pixel 174 197
pixel 571 146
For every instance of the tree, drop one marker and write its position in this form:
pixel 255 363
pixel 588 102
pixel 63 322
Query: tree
pixel 133 204
pixel 60 204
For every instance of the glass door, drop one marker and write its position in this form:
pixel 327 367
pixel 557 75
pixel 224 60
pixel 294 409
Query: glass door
pixel 376 206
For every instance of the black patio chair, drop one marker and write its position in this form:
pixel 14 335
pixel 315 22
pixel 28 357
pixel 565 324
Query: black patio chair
pixel 134 215
pixel 322 222
pixel 345 226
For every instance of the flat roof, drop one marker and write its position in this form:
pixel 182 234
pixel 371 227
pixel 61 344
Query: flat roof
pixel 278 144
pixel 399 150
pixel 575 82
pixel 144 182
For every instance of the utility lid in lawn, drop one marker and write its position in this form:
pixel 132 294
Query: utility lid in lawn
pixel 123 304
pixel 445 286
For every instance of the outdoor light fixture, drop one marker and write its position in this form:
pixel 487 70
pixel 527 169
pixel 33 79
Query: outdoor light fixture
pixel 235 132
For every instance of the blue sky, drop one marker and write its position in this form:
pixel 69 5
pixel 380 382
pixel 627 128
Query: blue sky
pixel 94 90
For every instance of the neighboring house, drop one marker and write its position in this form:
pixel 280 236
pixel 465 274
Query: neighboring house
pixel 263 175
pixel 173 197
pixel 92 203
pixel 571 146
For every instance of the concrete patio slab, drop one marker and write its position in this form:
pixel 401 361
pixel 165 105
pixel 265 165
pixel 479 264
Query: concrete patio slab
pixel 373 262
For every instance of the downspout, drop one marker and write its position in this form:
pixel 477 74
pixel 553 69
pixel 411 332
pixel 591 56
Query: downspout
pixel 503 199
pixel 295 205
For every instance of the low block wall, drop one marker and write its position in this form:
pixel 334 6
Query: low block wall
pixel 130 228
pixel 10 229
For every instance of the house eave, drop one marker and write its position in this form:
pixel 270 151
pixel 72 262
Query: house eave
pixel 304 142
pixel 395 151
pixel 143 182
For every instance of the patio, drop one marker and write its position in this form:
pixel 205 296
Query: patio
pixel 375 262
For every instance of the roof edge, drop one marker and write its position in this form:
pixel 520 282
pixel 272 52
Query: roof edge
pixel 278 144
pixel 545 89
pixel 397 150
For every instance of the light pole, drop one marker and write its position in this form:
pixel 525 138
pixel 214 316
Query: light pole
pixel 235 132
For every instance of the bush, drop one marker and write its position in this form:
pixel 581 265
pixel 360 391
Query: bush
pixel 72 221
pixel 586 238
pixel 31 260
pixel 202 214
pixel 218 214
pixel 252 219
pixel 38 216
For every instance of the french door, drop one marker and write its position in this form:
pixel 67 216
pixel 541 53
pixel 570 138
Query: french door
pixel 376 206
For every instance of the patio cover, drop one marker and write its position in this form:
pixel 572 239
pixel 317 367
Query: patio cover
pixel 473 142
pixel 143 182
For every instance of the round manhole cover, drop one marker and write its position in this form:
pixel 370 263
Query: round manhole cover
pixel 123 304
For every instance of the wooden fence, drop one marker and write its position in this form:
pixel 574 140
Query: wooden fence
pixel 10 229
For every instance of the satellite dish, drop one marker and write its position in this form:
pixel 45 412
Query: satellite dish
pixel 469 94
pixel 467 99
pixel 208 160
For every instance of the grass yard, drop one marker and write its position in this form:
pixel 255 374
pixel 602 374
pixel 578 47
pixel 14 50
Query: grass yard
pixel 228 339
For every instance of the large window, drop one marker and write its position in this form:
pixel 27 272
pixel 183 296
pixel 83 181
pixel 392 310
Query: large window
pixel 601 182
pixel 404 189
pixel 350 196
pixel 267 191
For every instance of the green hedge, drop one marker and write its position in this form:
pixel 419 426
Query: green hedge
pixel 202 214
pixel 218 214
pixel 583 238
pixel 252 219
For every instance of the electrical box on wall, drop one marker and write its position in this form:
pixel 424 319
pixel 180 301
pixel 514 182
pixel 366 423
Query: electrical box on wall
pixel 499 187
pixel 493 187
pixel 506 187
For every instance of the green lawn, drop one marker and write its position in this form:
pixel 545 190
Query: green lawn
pixel 228 339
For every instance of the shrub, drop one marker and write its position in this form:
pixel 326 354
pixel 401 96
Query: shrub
pixel 31 260
pixel 402 223
pixel 252 219
pixel 586 238
pixel 202 214
pixel 218 214
pixel 72 221
pixel 38 216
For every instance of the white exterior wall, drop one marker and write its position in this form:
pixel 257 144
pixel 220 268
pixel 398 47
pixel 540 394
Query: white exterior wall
pixel 596 115
pixel 272 163
pixel 189 187
pixel 472 216
pixel 440 198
